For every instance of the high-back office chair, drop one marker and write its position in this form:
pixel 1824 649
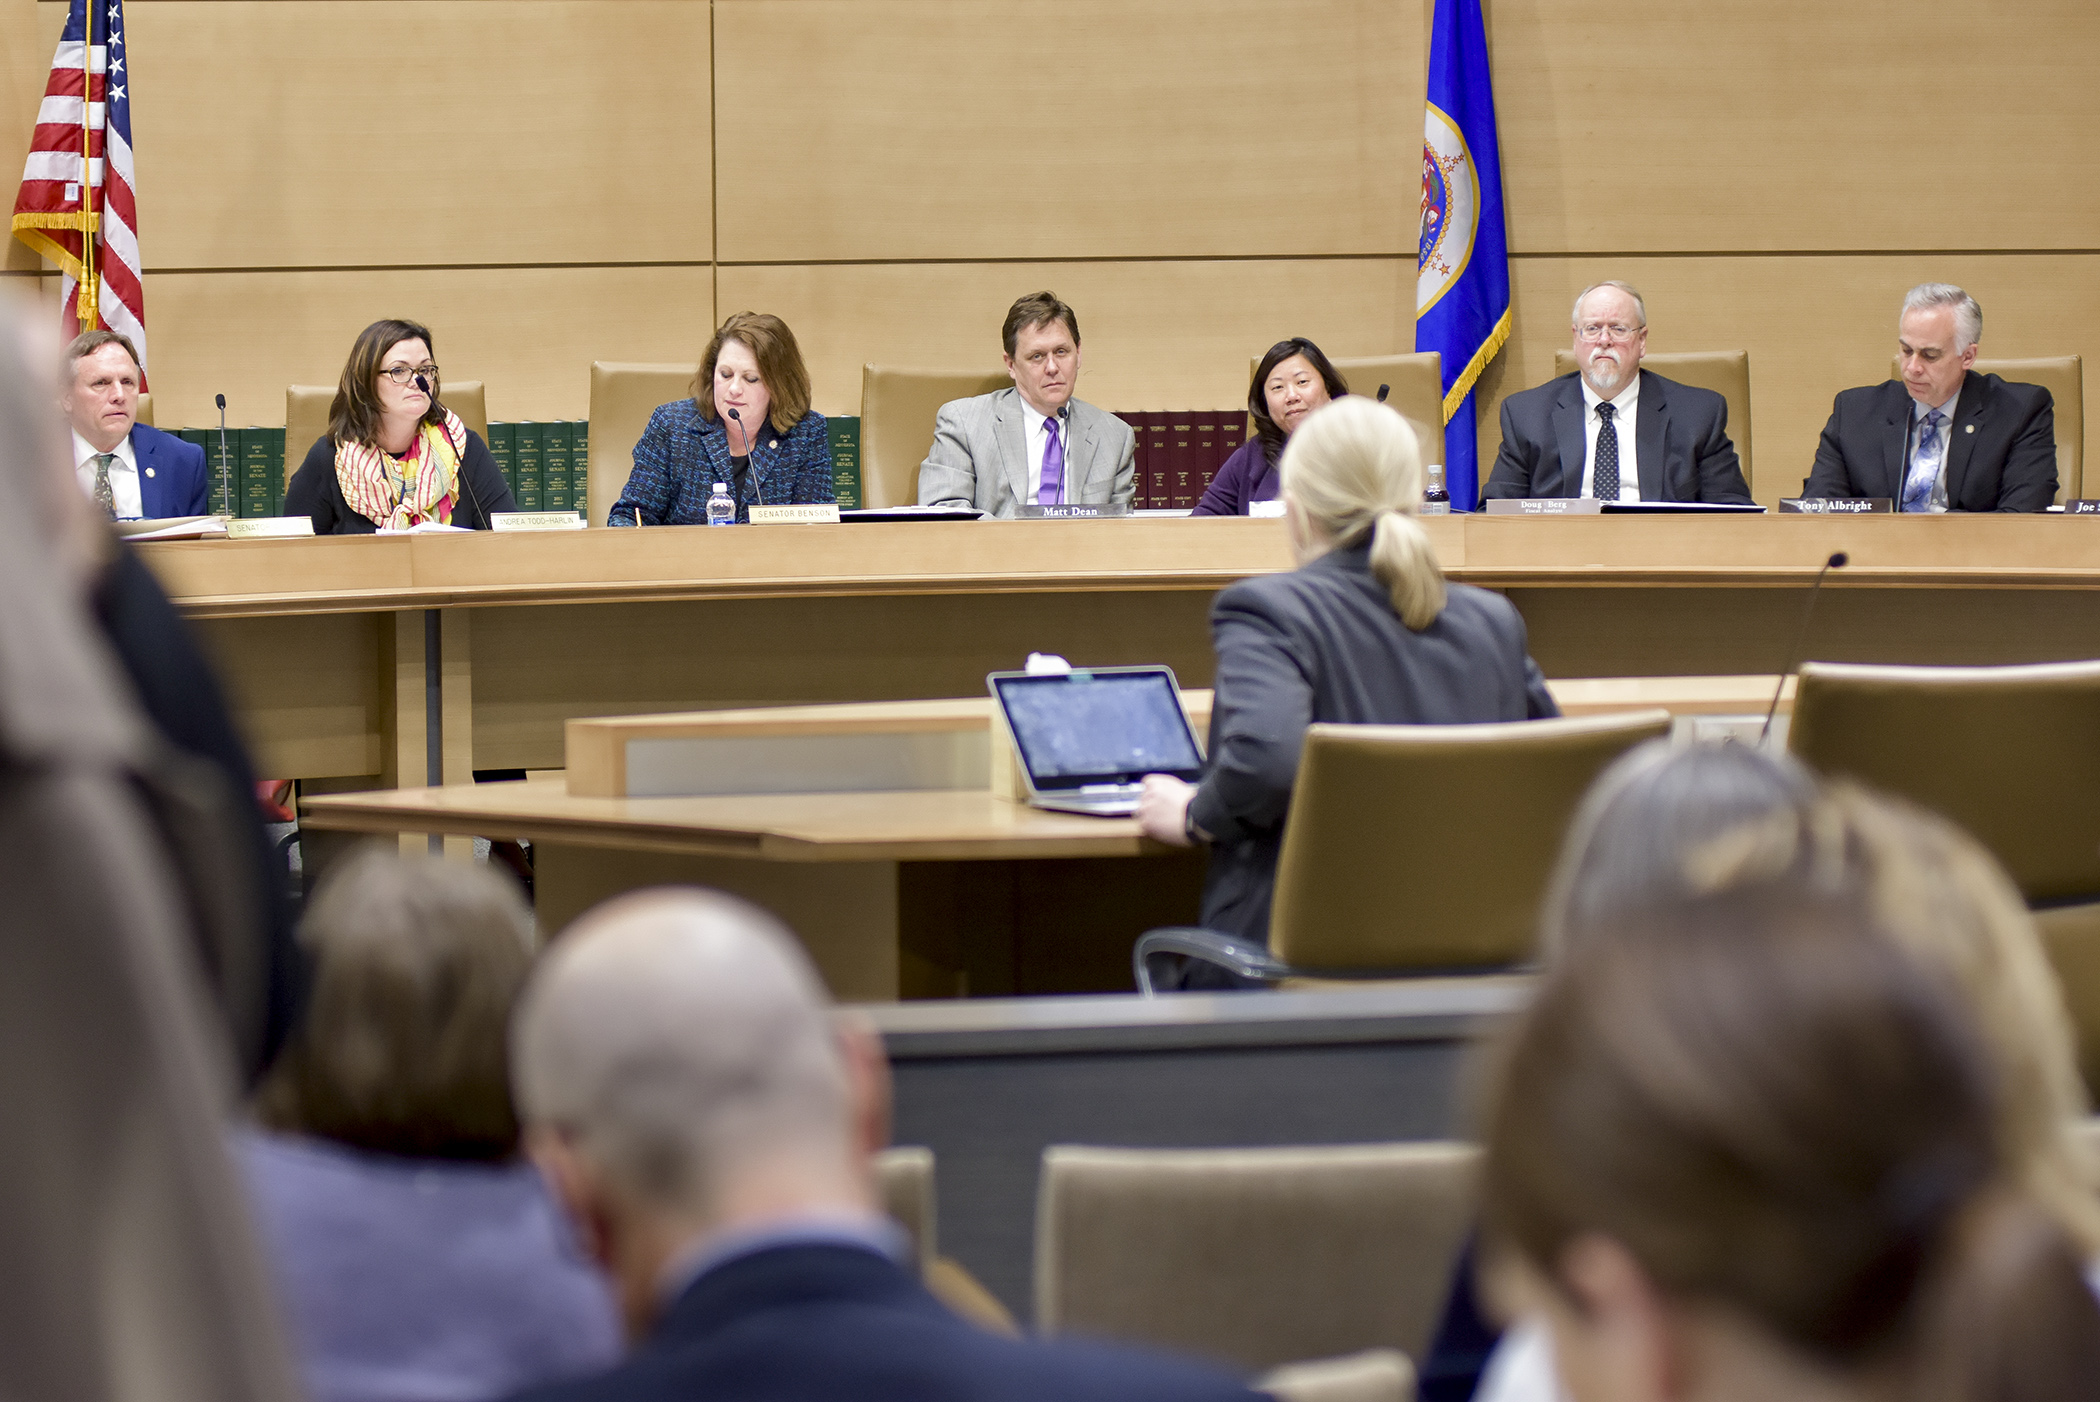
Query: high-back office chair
pixel 1412 848
pixel 897 409
pixel 2064 377
pixel 1417 384
pixel 623 396
pixel 1726 373
pixel 306 415
pixel 2012 754
pixel 1253 1256
pixel 145 415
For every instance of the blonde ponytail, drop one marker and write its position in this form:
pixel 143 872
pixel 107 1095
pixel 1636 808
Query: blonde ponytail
pixel 1355 467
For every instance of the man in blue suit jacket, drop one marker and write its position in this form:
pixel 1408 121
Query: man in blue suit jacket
pixel 708 1124
pixel 131 470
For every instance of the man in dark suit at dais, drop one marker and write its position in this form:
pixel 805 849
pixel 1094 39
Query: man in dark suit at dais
pixel 1612 430
pixel 1942 438
pixel 708 1121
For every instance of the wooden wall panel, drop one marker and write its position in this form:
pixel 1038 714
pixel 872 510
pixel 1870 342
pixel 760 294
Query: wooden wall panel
pixel 862 129
pixel 1812 325
pixel 1758 125
pixel 1171 335
pixel 529 333
pixel 393 133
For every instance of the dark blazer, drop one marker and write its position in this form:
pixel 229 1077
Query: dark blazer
pixel 682 455
pixel 1248 476
pixel 315 491
pixel 172 480
pixel 1680 440
pixel 822 1323
pixel 2001 447
pixel 1322 643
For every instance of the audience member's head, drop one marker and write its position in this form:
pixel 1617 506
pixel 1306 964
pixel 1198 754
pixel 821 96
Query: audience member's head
pixel 1352 472
pixel 680 1072
pixel 416 967
pixel 1749 1137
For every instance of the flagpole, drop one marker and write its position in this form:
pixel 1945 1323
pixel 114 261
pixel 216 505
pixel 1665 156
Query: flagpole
pixel 86 297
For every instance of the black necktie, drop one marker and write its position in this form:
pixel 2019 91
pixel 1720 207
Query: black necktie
pixel 1607 473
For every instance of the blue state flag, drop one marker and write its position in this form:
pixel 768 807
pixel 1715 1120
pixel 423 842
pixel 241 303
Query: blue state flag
pixel 1462 278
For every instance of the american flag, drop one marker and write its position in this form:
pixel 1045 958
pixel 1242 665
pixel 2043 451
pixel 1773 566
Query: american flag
pixel 79 202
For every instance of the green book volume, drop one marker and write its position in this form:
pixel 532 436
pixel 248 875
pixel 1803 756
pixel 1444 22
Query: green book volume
pixel 845 460
pixel 554 465
pixel 530 467
pixel 503 440
pixel 580 465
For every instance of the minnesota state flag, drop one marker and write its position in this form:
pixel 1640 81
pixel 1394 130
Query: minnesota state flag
pixel 1462 277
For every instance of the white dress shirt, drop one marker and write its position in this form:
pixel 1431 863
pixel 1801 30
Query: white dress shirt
pixel 123 476
pixel 1623 404
pixel 1036 436
pixel 1938 500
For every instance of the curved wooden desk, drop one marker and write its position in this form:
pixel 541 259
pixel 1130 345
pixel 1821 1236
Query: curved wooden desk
pixel 322 640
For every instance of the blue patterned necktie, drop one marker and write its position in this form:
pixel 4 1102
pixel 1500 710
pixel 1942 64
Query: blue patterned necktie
pixel 1607 473
pixel 1053 484
pixel 1924 465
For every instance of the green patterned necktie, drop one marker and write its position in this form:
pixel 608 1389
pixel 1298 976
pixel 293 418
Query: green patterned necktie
pixel 104 497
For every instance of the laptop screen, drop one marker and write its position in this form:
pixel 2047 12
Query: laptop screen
pixel 1098 727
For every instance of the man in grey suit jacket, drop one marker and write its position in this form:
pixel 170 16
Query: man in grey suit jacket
pixel 1033 444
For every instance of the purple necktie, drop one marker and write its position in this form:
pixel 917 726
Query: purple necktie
pixel 1053 485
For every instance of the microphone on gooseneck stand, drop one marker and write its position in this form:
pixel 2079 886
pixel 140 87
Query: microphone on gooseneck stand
pixel 1383 391
pixel 225 469
pixel 750 471
pixel 465 482
pixel 1836 562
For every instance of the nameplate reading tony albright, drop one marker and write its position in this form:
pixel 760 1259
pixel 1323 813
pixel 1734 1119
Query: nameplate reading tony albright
pixel 1543 506
pixel 1835 506
pixel 536 521
pixel 824 513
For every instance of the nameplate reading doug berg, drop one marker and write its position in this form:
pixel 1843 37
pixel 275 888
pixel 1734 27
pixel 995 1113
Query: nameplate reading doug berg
pixel 1543 506
pixel 1835 506
pixel 824 513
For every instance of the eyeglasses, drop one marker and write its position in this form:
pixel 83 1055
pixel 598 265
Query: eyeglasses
pixel 1601 331
pixel 405 375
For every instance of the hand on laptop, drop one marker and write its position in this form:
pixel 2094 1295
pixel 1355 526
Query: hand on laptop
pixel 1163 809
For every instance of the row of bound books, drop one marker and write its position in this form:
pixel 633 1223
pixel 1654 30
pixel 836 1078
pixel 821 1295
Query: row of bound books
pixel 249 480
pixel 546 465
pixel 1179 451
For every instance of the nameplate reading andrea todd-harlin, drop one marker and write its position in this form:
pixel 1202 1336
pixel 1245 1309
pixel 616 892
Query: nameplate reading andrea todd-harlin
pixel 536 521
pixel 821 513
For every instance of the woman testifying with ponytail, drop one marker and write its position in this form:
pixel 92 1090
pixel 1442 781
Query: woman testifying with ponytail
pixel 1364 631
pixel 394 456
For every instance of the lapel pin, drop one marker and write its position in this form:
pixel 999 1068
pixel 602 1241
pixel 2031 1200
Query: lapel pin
pixel 149 472
pixel 1968 428
pixel 773 443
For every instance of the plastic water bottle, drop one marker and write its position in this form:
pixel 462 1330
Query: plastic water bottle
pixel 721 507
pixel 1435 500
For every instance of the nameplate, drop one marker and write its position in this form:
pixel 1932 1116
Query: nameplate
pixel 1272 507
pixel 822 513
pixel 1835 506
pixel 270 528
pixel 1073 511
pixel 1544 506
pixel 2082 507
pixel 536 521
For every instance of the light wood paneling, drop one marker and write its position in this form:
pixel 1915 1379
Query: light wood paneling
pixel 395 133
pixel 307 690
pixel 1171 335
pixel 1798 124
pixel 529 334
pixel 1095 128
pixel 25 63
pixel 1813 326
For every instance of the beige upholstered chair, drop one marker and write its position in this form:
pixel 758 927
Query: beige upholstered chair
pixel 1258 1257
pixel 1417 384
pixel 2064 377
pixel 306 415
pixel 145 415
pixel 906 1179
pixel 1374 1375
pixel 623 396
pixel 2071 935
pixel 897 409
pixel 2010 753
pixel 1726 373
pixel 1412 848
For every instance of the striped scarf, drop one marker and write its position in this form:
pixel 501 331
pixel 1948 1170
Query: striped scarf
pixel 422 489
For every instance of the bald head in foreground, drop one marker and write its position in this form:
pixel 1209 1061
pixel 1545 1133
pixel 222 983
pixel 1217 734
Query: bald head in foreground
pixel 709 1124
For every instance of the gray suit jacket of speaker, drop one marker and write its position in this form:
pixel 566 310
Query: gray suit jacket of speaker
pixel 980 456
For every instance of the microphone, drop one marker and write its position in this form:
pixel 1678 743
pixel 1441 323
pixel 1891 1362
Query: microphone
pixel 225 469
pixel 752 471
pixel 1836 562
pixel 424 385
pixel 1383 391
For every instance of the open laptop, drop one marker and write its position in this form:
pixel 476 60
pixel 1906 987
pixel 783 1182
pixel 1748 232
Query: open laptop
pixel 1087 738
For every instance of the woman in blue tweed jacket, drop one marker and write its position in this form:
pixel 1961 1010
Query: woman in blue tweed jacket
pixel 748 424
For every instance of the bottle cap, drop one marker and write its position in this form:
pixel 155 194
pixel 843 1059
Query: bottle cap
pixel 721 486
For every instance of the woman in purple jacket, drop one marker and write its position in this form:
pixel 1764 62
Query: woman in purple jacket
pixel 1293 379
